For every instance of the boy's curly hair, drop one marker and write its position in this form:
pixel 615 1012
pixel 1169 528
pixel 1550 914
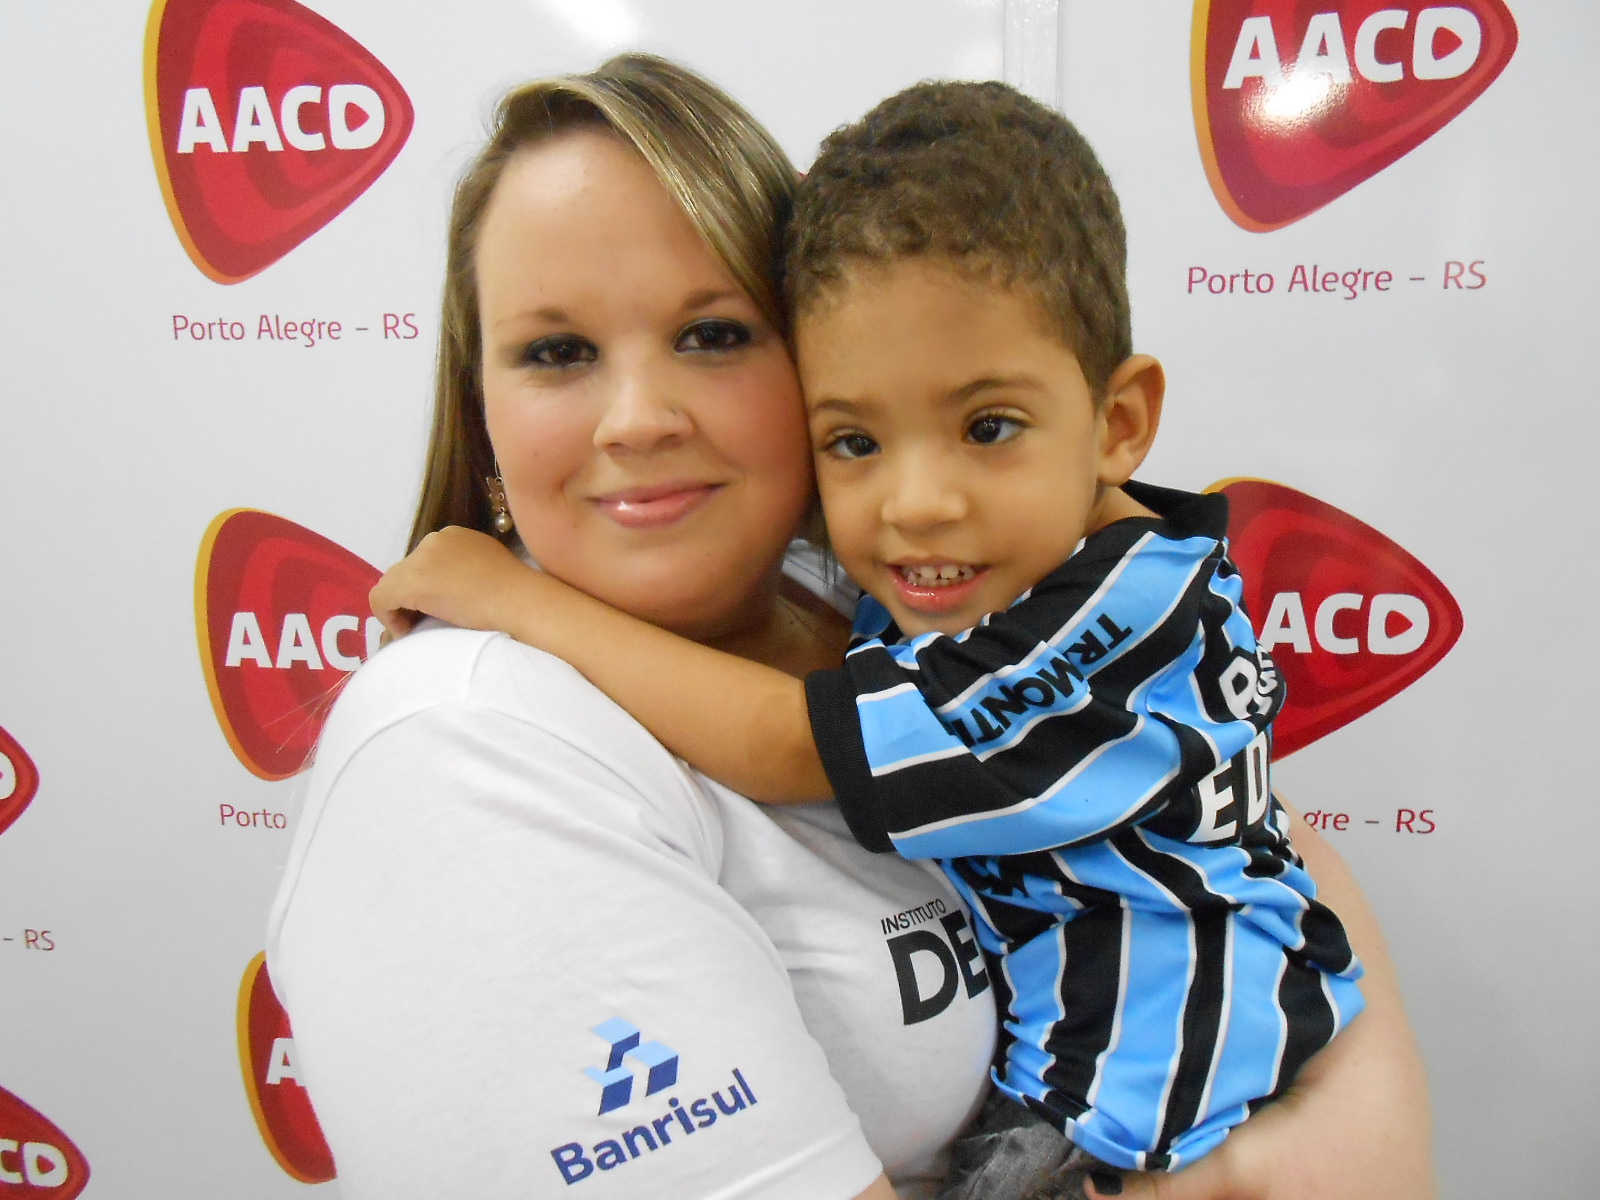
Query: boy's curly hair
pixel 982 176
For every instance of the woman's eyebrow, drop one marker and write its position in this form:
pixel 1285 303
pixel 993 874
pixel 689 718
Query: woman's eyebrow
pixel 548 316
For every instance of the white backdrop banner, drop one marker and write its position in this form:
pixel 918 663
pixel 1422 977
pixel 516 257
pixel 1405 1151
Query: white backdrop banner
pixel 1362 243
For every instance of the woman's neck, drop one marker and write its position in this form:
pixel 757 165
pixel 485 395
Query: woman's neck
pixel 795 633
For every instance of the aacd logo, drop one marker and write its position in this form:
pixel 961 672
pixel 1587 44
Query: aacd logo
pixel 281 614
pixel 1295 103
pixel 36 1158
pixel 277 1097
pixel 266 122
pixel 19 780
pixel 1349 617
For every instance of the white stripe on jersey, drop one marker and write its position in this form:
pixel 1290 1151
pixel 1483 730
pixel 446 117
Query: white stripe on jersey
pixel 888 693
pixel 1031 802
pixel 915 760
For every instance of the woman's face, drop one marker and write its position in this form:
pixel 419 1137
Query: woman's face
pixel 645 416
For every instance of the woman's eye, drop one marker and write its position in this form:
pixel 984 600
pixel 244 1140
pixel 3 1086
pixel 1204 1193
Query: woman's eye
pixel 987 430
pixel 850 445
pixel 713 335
pixel 561 350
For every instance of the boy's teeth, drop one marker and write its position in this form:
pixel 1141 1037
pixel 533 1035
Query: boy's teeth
pixel 937 576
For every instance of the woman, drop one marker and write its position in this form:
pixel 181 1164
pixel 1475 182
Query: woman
pixel 525 949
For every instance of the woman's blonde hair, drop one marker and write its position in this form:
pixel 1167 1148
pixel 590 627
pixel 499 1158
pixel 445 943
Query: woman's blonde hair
pixel 733 181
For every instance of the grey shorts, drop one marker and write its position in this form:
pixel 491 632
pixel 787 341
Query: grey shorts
pixel 1010 1153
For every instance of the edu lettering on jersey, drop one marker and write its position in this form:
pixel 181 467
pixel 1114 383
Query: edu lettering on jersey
pixel 266 122
pixel 278 1098
pixel 37 1158
pixel 19 780
pixel 1296 102
pixel 934 961
pixel 630 1062
pixel 282 619
pixel 1349 617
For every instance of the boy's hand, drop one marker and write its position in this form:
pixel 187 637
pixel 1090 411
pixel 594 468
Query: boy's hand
pixel 458 575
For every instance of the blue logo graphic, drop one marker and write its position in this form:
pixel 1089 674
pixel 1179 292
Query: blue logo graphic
pixel 616 1081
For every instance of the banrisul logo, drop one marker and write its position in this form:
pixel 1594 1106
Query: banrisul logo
pixel 660 1063
pixel 1349 616
pixel 278 1099
pixel 19 780
pixel 267 121
pixel 282 618
pixel 1298 101
pixel 630 1135
pixel 36 1157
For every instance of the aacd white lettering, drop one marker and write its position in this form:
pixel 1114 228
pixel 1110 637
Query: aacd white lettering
pixel 1286 624
pixel 297 644
pixel 1326 51
pixel 257 123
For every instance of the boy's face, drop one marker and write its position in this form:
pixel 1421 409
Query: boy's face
pixel 959 450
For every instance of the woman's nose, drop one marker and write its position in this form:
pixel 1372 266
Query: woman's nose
pixel 642 413
pixel 924 494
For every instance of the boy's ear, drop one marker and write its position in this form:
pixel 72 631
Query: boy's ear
pixel 1129 417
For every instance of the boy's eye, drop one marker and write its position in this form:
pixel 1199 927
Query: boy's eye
pixel 850 445
pixel 561 350
pixel 992 428
pixel 713 336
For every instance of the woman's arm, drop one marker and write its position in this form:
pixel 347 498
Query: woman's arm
pixel 1356 1124
pixel 742 723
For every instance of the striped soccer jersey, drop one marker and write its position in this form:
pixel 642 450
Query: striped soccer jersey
pixel 1090 767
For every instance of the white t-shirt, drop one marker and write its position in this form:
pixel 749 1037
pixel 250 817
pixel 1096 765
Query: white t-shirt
pixel 526 950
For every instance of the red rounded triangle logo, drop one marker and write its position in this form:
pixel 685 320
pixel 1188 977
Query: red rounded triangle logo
pixel 19 780
pixel 1296 103
pixel 282 617
pixel 1349 617
pixel 278 1099
pixel 37 1159
pixel 266 122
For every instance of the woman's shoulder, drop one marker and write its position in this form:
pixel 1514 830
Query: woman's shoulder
pixel 438 667
pixel 438 664
pixel 477 703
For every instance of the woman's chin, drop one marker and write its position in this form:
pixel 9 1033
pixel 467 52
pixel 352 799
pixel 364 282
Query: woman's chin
pixel 703 597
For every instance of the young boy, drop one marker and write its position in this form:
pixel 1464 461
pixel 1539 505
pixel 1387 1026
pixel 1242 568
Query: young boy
pixel 1052 689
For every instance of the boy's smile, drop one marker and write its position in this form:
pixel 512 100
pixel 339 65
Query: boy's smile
pixel 960 454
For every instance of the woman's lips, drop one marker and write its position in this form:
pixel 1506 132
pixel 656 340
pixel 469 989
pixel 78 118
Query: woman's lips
pixel 654 507
pixel 936 598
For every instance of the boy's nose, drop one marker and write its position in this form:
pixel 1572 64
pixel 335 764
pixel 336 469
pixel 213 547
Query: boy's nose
pixel 923 496
pixel 642 412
